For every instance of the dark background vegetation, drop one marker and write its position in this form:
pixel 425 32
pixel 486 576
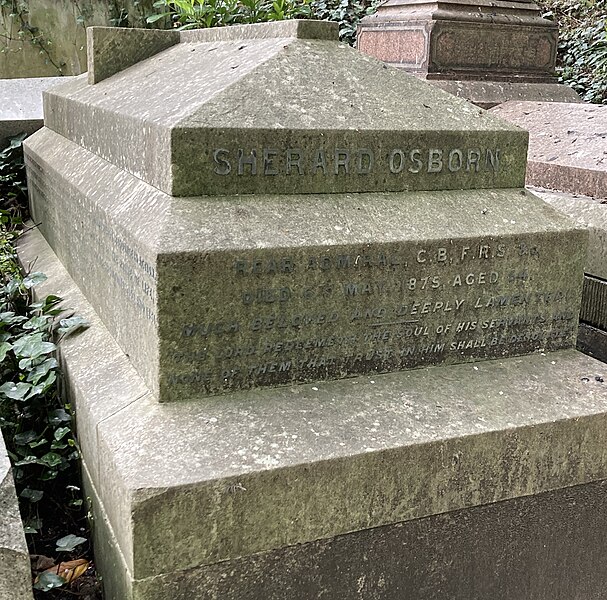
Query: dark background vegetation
pixel 582 52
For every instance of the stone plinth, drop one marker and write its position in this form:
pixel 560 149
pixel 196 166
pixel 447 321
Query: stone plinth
pixel 227 116
pixel 239 292
pixel 483 51
pixel 387 237
pixel 367 486
pixel 15 571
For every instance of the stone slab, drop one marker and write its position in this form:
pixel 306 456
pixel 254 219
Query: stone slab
pixel 544 547
pixel 567 147
pixel 590 213
pixel 15 572
pixel 21 105
pixel 320 287
pixel 257 115
pixel 261 471
pixel 290 28
pixel 488 94
pixel 113 49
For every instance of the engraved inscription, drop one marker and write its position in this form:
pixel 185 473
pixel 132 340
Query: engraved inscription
pixel 308 315
pixel 353 161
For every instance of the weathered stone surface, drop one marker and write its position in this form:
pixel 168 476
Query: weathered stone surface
pixel 487 94
pixel 259 471
pixel 15 574
pixel 59 30
pixel 292 28
pixel 113 49
pixel 274 113
pixel 21 105
pixel 502 551
pixel 212 294
pixel 590 213
pixel 567 147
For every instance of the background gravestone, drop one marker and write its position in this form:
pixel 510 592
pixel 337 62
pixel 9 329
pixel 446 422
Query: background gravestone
pixel 226 250
pixel 488 52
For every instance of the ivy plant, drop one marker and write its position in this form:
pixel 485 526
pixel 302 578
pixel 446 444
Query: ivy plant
pixel 190 14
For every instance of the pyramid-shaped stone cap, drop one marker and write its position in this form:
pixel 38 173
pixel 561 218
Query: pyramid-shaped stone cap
pixel 279 108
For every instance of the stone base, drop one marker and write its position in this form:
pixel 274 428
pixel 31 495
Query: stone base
pixel 15 572
pixel 487 94
pixel 488 52
pixel 497 38
pixel 441 482
pixel 548 546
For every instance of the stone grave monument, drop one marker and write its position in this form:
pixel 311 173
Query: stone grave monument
pixel 331 351
pixel 488 51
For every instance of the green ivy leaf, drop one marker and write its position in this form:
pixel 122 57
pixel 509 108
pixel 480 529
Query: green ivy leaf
pixel 48 475
pixel 38 443
pixel 50 300
pixel 15 391
pixel 32 346
pixel 28 460
pixel 41 370
pixel 32 495
pixel 51 459
pixel 32 525
pixel 61 432
pixel 33 279
pixel 36 323
pixel 10 318
pixel 58 416
pixel 21 439
pixel 4 348
pixel 48 581
pixel 69 326
pixel 69 543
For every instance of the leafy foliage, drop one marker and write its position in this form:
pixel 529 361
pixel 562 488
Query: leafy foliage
pixel 36 424
pixel 13 188
pixel 187 14
pixel 347 13
pixel 582 51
